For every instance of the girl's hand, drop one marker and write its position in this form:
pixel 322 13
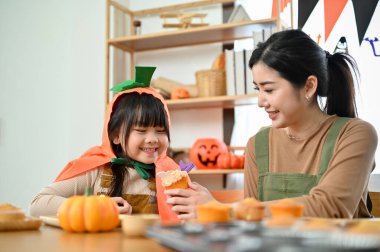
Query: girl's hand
pixel 184 201
pixel 123 205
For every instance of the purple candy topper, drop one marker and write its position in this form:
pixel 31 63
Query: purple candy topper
pixel 185 167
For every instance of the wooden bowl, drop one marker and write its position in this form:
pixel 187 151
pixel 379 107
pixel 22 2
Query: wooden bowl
pixel 135 225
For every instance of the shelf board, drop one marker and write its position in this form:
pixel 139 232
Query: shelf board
pixel 212 102
pixel 193 36
pixel 215 171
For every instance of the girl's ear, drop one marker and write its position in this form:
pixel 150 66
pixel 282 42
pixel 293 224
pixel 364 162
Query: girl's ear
pixel 116 140
pixel 311 86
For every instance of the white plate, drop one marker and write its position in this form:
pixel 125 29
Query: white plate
pixel 53 220
pixel 50 220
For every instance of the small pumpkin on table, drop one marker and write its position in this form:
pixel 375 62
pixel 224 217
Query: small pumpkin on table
pixel 88 213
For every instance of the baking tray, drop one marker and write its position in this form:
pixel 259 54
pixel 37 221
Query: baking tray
pixel 243 236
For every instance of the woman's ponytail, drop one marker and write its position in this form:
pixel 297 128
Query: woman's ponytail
pixel 342 74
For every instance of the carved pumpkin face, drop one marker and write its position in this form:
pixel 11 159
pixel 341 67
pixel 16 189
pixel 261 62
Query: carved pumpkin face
pixel 205 152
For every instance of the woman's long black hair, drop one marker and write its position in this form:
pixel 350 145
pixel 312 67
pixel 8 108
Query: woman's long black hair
pixel 132 109
pixel 295 56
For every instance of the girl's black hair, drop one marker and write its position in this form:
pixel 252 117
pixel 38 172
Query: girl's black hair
pixel 132 109
pixel 295 56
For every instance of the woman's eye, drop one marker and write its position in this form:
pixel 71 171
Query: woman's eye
pixel 140 130
pixel 268 90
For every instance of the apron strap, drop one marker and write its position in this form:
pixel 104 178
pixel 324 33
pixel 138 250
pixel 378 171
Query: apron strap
pixel 262 150
pixel 329 145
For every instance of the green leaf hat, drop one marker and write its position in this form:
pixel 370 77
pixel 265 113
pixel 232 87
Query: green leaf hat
pixel 143 76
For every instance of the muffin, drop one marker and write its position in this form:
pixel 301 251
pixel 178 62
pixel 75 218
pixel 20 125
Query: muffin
pixel 319 224
pixel 280 221
pixel 213 211
pixel 174 179
pixel 9 212
pixel 364 227
pixel 285 213
pixel 286 207
pixel 250 209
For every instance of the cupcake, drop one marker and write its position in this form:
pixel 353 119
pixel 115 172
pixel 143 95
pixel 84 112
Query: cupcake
pixel 364 227
pixel 213 211
pixel 285 213
pixel 280 221
pixel 174 179
pixel 319 224
pixel 286 207
pixel 250 209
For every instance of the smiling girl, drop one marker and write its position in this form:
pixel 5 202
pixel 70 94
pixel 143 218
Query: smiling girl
pixel 134 145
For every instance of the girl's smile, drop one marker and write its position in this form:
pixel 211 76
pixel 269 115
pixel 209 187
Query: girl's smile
pixel 145 144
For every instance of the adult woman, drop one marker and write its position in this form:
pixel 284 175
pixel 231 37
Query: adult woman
pixel 320 157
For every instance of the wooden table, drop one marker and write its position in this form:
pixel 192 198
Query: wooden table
pixel 49 238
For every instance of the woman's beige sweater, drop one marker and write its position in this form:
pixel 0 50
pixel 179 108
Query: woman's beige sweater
pixel 342 190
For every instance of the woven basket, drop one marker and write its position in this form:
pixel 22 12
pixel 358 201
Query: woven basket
pixel 211 82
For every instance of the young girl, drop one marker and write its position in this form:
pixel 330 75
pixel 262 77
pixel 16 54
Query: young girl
pixel 134 144
pixel 321 156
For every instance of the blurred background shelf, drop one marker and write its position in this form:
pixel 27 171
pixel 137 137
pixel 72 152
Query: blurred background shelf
pixel 215 171
pixel 211 102
pixel 194 36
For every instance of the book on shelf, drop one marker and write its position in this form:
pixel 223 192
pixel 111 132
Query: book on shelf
pixel 230 72
pixel 258 37
pixel 240 72
pixel 248 73
pixel 262 35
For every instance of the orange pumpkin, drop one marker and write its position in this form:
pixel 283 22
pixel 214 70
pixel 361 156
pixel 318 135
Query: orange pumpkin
pixel 205 152
pixel 179 93
pixel 229 160
pixel 88 213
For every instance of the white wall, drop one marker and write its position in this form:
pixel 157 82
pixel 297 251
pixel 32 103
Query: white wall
pixel 52 84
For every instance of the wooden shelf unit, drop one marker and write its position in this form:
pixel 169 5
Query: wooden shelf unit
pixel 194 36
pixel 212 102
pixel 226 32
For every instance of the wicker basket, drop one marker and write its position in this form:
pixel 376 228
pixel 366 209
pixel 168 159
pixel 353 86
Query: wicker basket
pixel 211 82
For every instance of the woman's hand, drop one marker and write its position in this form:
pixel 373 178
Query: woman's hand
pixel 123 205
pixel 184 201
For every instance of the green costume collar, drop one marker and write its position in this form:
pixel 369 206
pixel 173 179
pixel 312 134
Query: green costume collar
pixel 141 168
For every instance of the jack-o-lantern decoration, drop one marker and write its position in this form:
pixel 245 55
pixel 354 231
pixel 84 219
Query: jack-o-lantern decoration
pixel 205 152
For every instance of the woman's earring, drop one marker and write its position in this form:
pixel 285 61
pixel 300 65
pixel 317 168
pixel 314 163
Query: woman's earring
pixel 307 98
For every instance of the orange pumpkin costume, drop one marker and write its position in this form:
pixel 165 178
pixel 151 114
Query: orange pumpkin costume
pixel 98 156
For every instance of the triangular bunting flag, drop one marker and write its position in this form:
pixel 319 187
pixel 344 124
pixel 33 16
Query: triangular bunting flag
pixel 305 8
pixel 283 4
pixel 363 13
pixel 333 9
